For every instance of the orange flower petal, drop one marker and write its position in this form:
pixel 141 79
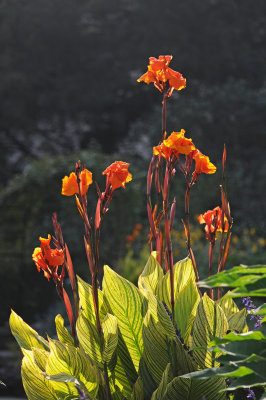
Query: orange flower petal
pixel 86 181
pixel 117 174
pixel 179 143
pixel 203 164
pixel 70 185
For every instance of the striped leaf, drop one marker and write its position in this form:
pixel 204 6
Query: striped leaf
pixel 26 337
pixel 35 385
pixel 187 389
pixel 62 332
pixel 161 345
pixel 161 391
pixel 183 273
pixel 88 337
pixel 186 308
pixel 228 305
pixel 66 359
pixel 237 322
pixel 40 358
pixel 110 335
pixel 128 305
pixel 138 393
pixel 210 322
pixel 151 275
pixel 86 301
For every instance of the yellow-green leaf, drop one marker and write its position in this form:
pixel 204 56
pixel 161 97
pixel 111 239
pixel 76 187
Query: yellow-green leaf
pixel 26 337
pixel 110 335
pixel 183 273
pixel 69 360
pixel 186 308
pixel 161 391
pixel 62 332
pixel 128 305
pixel 86 301
pixel 89 340
pixel 237 322
pixel 151 275
pixel 35 385
pixel 228 305
pixel 210 322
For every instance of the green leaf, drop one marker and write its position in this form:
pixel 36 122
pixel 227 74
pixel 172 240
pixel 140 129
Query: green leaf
pixel 186 308
pixel 183 273
pixel 86 301
pixel 161 391
pixel 35 385
pixel 40 357
pixel 151 275
pixel 129 306
pixel 161 345
pixel 62 332
pixel 228 305
pixel 110 334
pixel 237 322
pixel 69 360
pixel 187 389
pixel 26 337
pixel 210 322
pixel 89 340
pixel 236 337
pixel 138 393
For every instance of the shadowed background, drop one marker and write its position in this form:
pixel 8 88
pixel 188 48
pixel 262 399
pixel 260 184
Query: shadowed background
pixel 68 91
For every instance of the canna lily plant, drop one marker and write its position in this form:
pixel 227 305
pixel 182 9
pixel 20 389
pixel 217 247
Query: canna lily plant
pixel 129 342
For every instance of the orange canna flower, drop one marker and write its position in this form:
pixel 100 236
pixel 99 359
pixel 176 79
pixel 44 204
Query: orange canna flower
pixel 159 73
pixel 47 259
pixel 163 151
pixel 213 221
pixel 117 174
pixel 203 164
pixel 179 143
pixel 70 183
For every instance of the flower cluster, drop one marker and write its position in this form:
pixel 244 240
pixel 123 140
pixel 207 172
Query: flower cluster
pixel 73 184
pixel 177 144
pixel 164 78
pixel 117 175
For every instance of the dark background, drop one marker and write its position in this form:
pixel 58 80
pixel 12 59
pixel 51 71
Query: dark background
pixel 68 91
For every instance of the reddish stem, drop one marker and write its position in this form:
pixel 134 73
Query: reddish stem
pixel 210 265
pixel 190 252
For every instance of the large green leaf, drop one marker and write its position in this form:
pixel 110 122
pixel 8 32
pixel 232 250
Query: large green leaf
pixel 86 301
pixel 89 340
pixel 237 322
pixel 186 308
pixel 161 345
pixel 210 322
pixel 26 337
pixel 69 360
pixel 151 275
pixel 183 272
pixel 228 305
pixel 138 393
pixel 161 391
pixel 62 332
pixel 110 335
pixel 187 389
pixel 129 307
pixel 35 385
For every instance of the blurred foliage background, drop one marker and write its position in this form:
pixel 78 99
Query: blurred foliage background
pixel 68 91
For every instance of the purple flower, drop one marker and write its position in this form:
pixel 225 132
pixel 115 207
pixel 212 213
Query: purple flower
pixel 251 394
pixel 250 306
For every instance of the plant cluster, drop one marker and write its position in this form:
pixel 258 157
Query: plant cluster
pixel 156 340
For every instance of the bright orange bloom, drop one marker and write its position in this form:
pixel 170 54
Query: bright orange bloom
pixel 117 174
pixel 159 73
pixel 175 144
pixel 70 184
pixel 213 221
pixel 46 258
pixel 163 151
pixel 203 164
pixel 179 143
